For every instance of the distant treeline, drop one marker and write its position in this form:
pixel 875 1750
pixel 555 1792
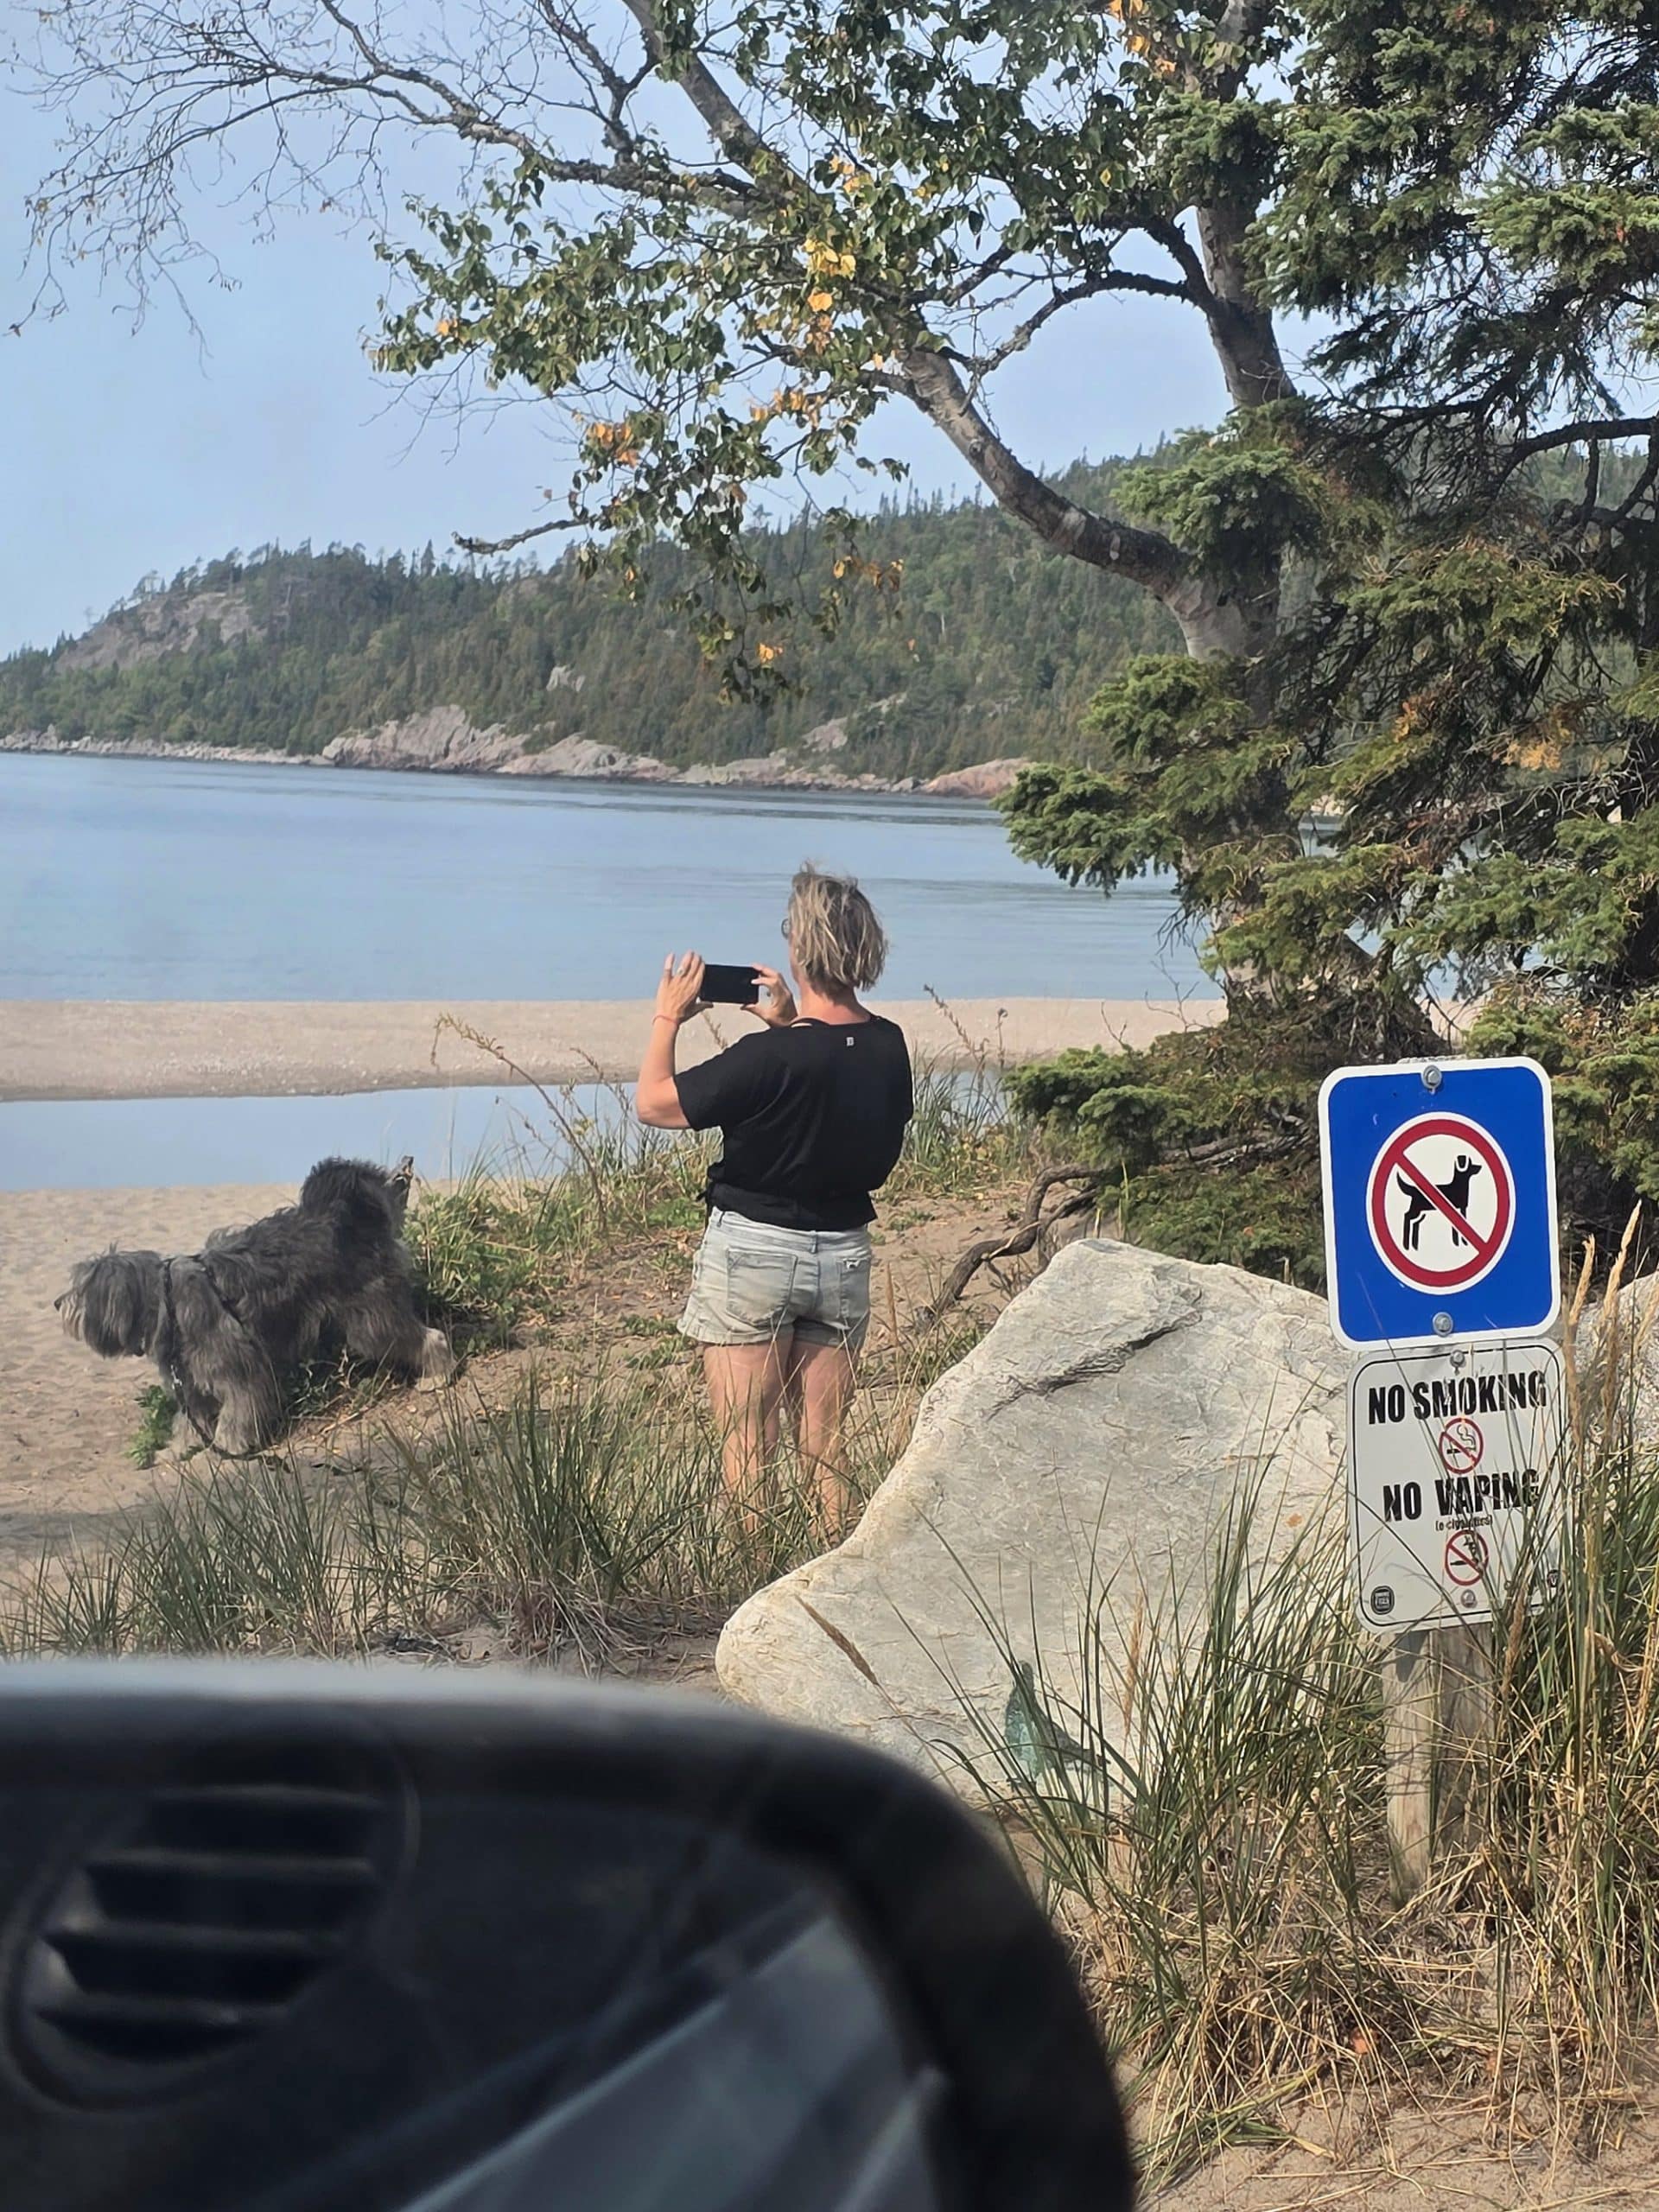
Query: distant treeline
pixel 988 647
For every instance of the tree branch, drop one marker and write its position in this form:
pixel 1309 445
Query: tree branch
pixel 1581 432
pixel 491 545
pixel 1144 557
pixel 730 128
pixel 1116 280
pixel 1024 1234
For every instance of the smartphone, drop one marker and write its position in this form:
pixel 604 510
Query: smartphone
pixel 728 986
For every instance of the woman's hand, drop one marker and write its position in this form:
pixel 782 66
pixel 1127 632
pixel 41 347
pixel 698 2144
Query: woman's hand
pixel 676 994
pixel 777 1008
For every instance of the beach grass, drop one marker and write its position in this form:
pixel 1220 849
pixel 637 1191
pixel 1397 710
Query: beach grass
pixel 578 1520
pixel 1198 1784
pixel 495 1253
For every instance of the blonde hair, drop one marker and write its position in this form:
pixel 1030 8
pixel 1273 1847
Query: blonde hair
pixel 838 942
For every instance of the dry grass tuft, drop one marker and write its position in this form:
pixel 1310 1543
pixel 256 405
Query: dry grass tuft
pixel 1200 1786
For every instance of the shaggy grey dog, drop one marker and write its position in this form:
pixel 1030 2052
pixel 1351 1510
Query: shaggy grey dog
pixel 230 1325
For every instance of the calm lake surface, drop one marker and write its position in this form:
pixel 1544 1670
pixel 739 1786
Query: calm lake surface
pixel 187 880
pixel 82 1144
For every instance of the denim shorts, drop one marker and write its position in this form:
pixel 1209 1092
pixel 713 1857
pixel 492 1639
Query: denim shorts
pixel 752 1283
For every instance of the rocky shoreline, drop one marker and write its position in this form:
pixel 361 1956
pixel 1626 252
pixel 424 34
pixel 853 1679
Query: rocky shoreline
pixel 445 741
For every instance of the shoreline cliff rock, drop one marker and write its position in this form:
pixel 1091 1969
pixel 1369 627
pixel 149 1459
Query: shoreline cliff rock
pixel 444 740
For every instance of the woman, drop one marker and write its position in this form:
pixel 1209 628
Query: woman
pixel 813 1109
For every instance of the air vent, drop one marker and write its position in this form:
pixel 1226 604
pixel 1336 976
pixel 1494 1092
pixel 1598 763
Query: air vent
pixel 197 1923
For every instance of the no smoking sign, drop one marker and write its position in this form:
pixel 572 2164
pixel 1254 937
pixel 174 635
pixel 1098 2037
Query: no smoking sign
pixel 1439 1202
pixel 1466 1558
pixel 1454 1482
pixel 1461 1446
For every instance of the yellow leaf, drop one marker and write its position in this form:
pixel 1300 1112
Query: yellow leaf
pixel 766 654
pixel 820 301
pixel 1537 752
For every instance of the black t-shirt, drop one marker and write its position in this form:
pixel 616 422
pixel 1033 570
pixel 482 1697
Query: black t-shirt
pixel 813 1118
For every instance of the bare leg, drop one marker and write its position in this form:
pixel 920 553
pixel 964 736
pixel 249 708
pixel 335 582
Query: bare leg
pixel 746 1389
pixel 822 1379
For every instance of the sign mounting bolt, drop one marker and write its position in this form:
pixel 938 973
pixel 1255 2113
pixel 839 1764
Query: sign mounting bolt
pixel 1433 1077
pixel 1444 1324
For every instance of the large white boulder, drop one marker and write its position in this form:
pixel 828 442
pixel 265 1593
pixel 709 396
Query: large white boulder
pixel 1097 1436
pixel 1617 1371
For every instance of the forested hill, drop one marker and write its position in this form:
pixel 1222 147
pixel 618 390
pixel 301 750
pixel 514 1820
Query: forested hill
pixel 990 647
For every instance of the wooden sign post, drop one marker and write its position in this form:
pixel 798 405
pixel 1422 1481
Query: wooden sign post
pixel 1436 1714
pixel 1442 1258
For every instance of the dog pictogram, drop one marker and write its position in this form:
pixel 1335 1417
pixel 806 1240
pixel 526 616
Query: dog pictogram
pixel 1441 1202
pixel 1454 1191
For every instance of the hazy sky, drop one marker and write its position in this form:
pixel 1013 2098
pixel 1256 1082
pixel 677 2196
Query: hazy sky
pixel 127 452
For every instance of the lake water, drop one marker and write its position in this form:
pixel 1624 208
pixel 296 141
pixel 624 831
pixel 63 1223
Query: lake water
pixel 186 879
pixel 136 1143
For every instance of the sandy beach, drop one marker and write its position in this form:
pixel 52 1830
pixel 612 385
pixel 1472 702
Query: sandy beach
pixel 88 1048
pixel 66 1417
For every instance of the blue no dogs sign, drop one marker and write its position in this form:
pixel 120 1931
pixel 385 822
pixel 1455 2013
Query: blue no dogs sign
pixel 1439 1202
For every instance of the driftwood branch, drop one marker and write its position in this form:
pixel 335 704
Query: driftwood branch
pixel 1034 1223
pixel 1031 1225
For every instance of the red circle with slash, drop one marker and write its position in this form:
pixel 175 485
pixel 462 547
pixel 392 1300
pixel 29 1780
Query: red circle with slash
pixel 1466 1557
pixel 1409 1194
pixel 1460 1446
